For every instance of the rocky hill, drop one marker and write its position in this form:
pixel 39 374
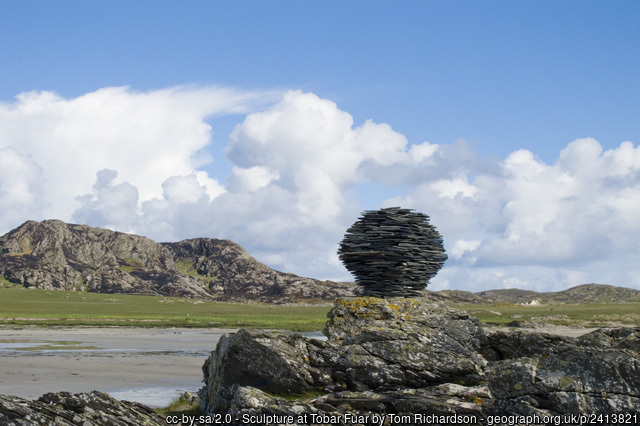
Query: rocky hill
pixel 586 293
pixel 56 255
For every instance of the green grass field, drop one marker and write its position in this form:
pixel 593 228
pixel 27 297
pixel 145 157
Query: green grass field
pixel 19 306
pixel 587 315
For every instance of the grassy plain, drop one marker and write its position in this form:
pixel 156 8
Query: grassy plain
pixel 19 306
pixel 587 315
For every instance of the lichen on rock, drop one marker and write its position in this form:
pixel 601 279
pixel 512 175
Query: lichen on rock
pixel 66 409
pixel 409 356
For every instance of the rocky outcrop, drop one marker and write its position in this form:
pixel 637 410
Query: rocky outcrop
pixel 65 409
pixel 230 270
pixel 412 358
pixel 585 293
pixel 537 374
pixel 55 255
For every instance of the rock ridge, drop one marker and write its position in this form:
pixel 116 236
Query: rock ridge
pixel 411 357
pixel 56 255
pixel 66 409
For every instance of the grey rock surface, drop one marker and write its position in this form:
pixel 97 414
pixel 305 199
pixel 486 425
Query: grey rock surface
pixel 541 374
pixel 83 409
pixel 406 356
pixel 55 255
pixel 233 273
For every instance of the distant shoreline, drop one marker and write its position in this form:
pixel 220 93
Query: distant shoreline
pixel 117 360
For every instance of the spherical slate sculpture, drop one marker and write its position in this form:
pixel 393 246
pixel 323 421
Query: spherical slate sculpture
pixel 392 252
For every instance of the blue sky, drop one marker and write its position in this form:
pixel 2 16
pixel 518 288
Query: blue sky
pixel 476 81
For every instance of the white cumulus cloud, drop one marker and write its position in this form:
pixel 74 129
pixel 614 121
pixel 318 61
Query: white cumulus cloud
pixel 110 205
pixel 299 166
pixel 544 224
pixel 308 146
pixel 145 137
pixel 21 188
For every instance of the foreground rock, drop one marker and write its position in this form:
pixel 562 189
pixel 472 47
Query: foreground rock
pixel 86 409
pixel 56 255
pixel 408 357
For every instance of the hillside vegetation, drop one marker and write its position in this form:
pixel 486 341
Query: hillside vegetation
pixel 22 306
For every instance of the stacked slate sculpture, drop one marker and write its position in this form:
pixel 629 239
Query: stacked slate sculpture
pixel 392 252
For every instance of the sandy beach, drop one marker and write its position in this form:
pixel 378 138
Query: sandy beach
pixel 151 366
pixel 147 365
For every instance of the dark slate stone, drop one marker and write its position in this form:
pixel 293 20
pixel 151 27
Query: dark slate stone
pixel 392 252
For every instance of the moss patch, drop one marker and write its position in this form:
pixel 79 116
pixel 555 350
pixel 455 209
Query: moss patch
pixel 129 265
pixel 180 406
pixel 5 283
pixel 187 267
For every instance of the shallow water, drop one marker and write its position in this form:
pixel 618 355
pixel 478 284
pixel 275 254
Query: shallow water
pixel 153 396
pixel 150 366
pixel 24 345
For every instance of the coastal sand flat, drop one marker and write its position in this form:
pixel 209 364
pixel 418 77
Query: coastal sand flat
pixel 116 360
pixel 107 359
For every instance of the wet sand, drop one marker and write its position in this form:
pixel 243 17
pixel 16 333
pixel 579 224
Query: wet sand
pixel 151 366
pixel 147 365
